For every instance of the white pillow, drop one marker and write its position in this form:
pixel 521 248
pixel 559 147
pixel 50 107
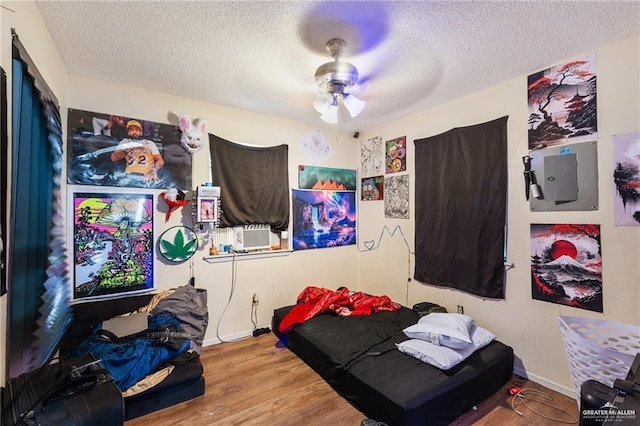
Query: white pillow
pixel 450 330
pixel 442 357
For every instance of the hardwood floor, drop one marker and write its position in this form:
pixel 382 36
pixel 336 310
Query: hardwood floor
pixel 255 382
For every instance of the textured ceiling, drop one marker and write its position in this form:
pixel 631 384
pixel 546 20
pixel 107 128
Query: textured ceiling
pixel 261 56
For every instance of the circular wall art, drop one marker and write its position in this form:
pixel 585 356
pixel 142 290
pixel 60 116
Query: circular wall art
pixel 178 243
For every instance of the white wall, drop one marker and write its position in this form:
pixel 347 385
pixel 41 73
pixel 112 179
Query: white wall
pixel 277 280
pixel 528 325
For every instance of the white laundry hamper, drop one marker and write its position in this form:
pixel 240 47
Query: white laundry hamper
pixel 598 349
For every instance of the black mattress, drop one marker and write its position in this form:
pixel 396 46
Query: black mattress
pixel 358 357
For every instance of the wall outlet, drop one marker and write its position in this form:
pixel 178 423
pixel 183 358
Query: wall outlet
pixel 255 301
pixel 460 309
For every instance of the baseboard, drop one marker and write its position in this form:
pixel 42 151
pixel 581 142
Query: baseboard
pixel 570 392
pixel 230 337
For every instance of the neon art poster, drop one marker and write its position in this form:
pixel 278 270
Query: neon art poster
pixel 323 219
pixel 562 103
pixel 626 178
pixel 566 265
pixel 112 244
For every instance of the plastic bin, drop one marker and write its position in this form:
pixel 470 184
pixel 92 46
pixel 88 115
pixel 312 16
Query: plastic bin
pixel 598 349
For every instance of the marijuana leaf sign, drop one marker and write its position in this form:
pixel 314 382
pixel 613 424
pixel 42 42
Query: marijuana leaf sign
pixel 180 249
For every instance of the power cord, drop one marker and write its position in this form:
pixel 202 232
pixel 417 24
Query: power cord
pixel 233 289
pixel 522 395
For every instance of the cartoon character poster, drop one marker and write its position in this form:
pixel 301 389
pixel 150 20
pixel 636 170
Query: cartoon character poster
pixel 372 154
pixel 396 155
pixel 566 265
pixel 323 219
pixel 562 103
pixel 315 177
pixel 372 188
pixel 112 243
pixel 112 150
pixel 626 178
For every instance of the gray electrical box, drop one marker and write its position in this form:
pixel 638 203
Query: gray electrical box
pixel 560 178
pixel 568 177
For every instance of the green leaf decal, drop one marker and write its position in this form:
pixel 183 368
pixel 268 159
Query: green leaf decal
pixel 178 250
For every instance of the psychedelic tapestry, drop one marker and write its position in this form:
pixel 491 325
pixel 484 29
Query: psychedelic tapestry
pixel 323 219
pixel 113 248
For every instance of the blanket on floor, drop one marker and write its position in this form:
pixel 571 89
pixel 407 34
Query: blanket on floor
pixel 313 301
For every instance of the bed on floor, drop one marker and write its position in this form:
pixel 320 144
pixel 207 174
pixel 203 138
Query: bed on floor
pixel 358 357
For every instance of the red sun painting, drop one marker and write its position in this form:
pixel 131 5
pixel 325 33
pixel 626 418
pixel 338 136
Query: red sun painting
pixel 563 248
pixel 566 265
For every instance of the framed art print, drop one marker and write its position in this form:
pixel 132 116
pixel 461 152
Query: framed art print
pixel 113 250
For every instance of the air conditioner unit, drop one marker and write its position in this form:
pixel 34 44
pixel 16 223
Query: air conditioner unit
pixel 252 237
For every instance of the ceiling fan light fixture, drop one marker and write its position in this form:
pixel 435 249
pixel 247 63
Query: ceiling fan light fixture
pixel 353 105
pixel 335 81
pixel 323 103
pixel 331 116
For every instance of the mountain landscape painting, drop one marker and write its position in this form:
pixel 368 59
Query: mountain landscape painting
pixel 566 265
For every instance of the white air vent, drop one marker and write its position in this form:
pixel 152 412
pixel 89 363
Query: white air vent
pixel 252 237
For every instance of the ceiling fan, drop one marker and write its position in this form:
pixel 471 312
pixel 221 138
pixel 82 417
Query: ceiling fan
pixel 337 82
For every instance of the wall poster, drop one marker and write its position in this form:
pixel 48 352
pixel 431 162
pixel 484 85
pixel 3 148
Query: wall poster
pixel 315 177
pixel 323 219
pixel 396 155
pixel 626 178
pixel 111 150
pixel 372 157
pixel 113 242
pixel 316 147
pixel 396 197
pixel 566 265
pixel 372 188
pixel 562 103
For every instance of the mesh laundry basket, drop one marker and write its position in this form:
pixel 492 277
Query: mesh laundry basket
pixel 598 349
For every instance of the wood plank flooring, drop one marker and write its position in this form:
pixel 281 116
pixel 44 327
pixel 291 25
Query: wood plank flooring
pixel 255 382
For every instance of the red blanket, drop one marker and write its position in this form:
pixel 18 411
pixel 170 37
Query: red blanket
pixel 315 300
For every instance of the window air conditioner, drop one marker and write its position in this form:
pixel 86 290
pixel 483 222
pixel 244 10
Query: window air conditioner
pixel 252 237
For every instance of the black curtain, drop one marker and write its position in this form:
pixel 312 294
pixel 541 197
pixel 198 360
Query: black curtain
pixel 39 311
pixel 253 181
pixel 4 167
pixel 461 203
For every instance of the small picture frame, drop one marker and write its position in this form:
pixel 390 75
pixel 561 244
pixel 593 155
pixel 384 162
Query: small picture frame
pixel 207 209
